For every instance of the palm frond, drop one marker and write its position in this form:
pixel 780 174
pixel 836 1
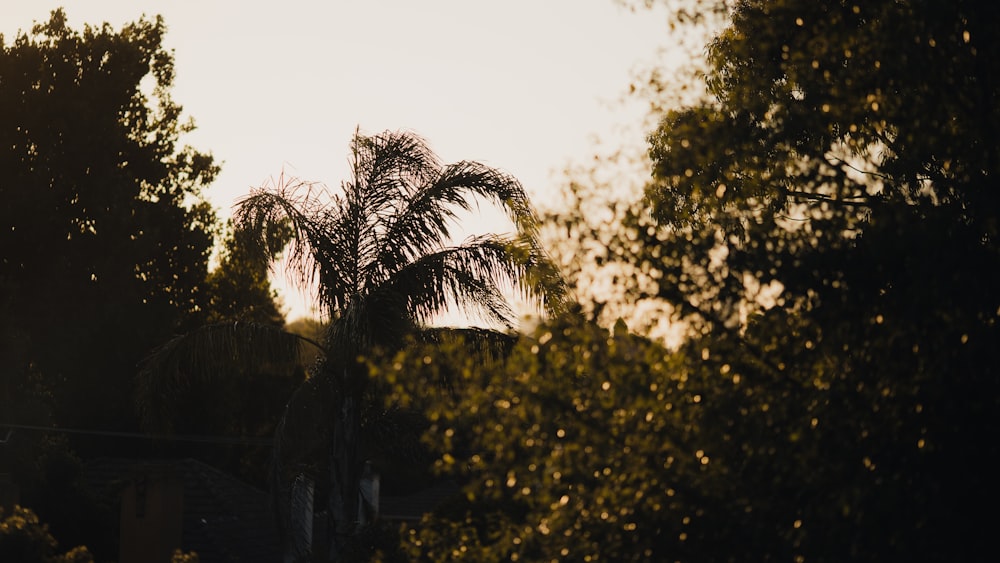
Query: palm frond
pixel 387 167
pixel 367 323
pixel 423 221
pixel 319 235
pixel 498 188
pixel 487 343
pixel 471 276
pixel 209 352
pixel 377 253
pixel 541 283
pixel 515 264
pixel 486 346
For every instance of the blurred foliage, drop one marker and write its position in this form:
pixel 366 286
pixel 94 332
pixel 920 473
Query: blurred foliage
pixel 24 539
pixel 590 444
pixel 182 557
pixel 849 157
pixel 51 483
pixel 823 228
pixel 572 448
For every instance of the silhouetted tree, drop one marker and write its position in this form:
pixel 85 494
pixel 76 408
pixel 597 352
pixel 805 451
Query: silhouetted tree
pixel 104 233
pixel 380 254
pixel 824 223
pixel 239 288
pixel 847 157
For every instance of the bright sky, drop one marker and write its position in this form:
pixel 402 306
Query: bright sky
pixel 523 85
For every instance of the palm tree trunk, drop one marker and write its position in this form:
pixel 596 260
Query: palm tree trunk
pixel 345 475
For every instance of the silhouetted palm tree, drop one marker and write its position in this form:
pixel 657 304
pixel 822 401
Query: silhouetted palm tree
pixel 380 255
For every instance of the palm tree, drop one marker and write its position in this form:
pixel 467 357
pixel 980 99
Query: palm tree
pixel 380 254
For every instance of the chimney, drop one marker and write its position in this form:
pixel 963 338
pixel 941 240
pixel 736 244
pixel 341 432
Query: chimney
pixel 10 494
pixel 152 515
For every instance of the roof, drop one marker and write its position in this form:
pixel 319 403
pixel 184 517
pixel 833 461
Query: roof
pixel 225 519
pixel 412 507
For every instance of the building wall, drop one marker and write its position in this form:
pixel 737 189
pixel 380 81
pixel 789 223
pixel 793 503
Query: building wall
pixel 152 516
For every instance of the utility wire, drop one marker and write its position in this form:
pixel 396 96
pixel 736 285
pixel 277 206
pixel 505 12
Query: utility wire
pixel 232 440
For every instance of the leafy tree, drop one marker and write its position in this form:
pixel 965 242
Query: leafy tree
pixel 847 156
pixel 241 404
pixel 588 444
pixel 25 539
pixel 824 224
pixel 240 287
pixel 104 232
pixel 380 254
pixel 52 485
pixel 582 445
pixel 236 403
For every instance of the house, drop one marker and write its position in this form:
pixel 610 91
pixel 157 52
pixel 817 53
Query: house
pixel 310 526
pixel 185 504
pixel 411 508
pixel 189 505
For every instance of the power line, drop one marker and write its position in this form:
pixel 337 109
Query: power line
pixel 231 440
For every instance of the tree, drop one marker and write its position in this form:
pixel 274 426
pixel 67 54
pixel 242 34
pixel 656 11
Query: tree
pixel 824 223
pixel 583 444
pixel 240 287
pixel 104 233
pixel 233 402
pixel 380 254
pixel 24 538
pixel 587 443
pixel 847 157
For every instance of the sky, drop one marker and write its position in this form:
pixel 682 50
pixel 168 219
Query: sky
pixel 527 86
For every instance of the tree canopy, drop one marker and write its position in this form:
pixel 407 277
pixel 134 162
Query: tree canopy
pixel 380 254
pixel 105 245
pixel 24 538
pixel 823 222
pixel 858 171
pixel 104 232
pixel 581 445
pixel 848 155
pixel 239 287
pixel 379 250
